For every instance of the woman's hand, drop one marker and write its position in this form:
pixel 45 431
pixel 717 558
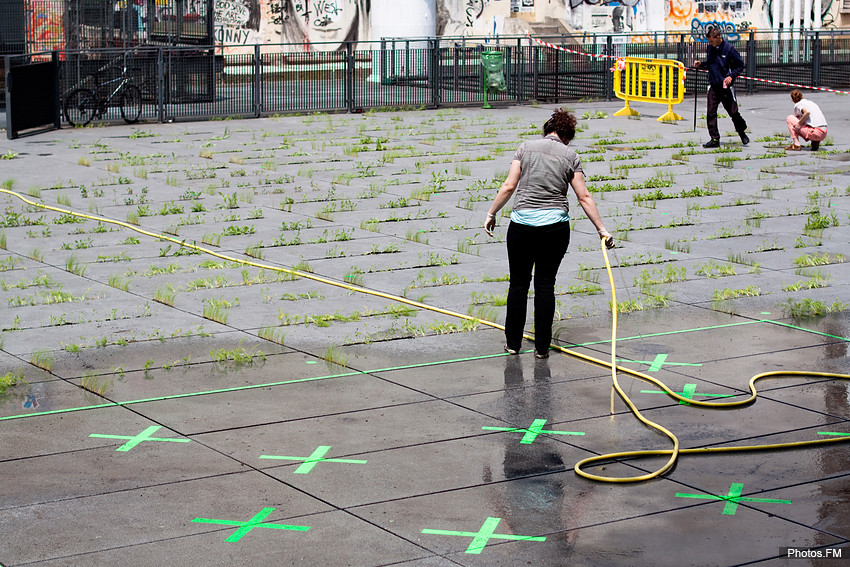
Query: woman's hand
pixel 606 236
pixel 490 224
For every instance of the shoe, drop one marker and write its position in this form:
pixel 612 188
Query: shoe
pixel 744 138
pixel 712 143
pixel 511 350
pixel 541 354
pixel 815 146
pixel 792 148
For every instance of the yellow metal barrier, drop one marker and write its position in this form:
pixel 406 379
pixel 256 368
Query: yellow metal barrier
pixel 649 80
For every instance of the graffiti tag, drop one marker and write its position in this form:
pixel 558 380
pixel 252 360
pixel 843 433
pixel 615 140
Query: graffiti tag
pixel 227 35
pixel 474 8
pixel 324 13
pixel 234 14
pixel 727 29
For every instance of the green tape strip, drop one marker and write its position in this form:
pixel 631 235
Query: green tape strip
pixel 252 387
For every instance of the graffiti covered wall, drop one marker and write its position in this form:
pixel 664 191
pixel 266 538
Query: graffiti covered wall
pixel 328 24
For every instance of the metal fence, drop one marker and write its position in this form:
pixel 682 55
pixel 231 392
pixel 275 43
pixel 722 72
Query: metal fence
pixel 202 82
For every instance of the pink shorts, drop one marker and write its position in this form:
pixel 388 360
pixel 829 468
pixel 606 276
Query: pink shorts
pixel 808 133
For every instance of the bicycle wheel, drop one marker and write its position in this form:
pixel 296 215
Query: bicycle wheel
pixel 80 107
pixel 131 103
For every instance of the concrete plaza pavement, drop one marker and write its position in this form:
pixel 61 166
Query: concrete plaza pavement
pixel 164 405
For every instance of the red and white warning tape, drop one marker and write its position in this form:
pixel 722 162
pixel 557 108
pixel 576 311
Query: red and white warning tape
pixel 559 48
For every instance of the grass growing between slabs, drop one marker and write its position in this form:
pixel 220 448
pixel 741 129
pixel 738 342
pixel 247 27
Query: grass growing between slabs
pixel 391 201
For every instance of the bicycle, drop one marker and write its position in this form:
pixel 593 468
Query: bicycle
pixel 83 105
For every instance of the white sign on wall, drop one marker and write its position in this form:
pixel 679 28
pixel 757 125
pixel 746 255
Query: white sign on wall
pixel 522 6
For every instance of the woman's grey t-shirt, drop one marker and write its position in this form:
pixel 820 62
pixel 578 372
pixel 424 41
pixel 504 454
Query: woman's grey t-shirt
pixel 547 168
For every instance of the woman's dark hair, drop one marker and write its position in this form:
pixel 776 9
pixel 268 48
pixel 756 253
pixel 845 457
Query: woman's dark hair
pixel 562 123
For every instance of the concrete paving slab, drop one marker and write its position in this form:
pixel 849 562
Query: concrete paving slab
pixel 159 513
pixel 224 410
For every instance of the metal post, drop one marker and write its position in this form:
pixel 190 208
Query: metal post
pixel 57 101
pixel 456 65
pixel 535 70
pixel 258 82
pixel 349 76
pixel 609 77
pixel 393 68
pixel 751 61
pixel 407 60
pixel 160 91
pixel 816 60
pixel 383 60
pixel 559 55
pixel 434 48
pixel 520 71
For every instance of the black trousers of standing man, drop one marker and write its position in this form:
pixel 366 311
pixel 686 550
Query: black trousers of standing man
pixel 717 95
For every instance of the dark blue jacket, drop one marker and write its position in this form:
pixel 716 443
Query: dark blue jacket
pixel 722 61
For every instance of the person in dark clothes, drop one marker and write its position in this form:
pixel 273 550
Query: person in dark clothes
pixel 724 65
pixel 541 174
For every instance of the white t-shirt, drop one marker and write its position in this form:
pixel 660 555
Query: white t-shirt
pixel 816 117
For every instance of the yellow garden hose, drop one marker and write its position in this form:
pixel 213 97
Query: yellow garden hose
pixel 673 453
pixel 676 450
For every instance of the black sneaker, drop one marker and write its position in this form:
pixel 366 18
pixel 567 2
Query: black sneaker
pixel 744 138
pixel 712 143
pixel 815 146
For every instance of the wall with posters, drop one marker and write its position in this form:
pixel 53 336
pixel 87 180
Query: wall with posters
pixel 237 22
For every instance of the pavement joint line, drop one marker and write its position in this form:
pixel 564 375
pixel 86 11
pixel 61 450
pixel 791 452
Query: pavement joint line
pixel 255 522
pixel 251 387
pixel 659 362
pixel 665 333
pixel 186 395
pixel 315 458
pixel 530 434
pixel 732 499
pixel 688 391
pixel 482 536
pixel 134 440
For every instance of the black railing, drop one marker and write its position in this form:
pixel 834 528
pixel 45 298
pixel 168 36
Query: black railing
pixel 204 82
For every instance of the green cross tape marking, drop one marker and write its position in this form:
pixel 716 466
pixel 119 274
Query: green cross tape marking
pixel 482 536
pixel 255 522
pixel 833 433
pixel 535 429
pixel 732 498
pixel 660 360
pixel 688 391
pixel 314 459
pixel 135 440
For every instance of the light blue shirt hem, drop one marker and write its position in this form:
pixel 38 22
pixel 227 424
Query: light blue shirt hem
pixel 539 217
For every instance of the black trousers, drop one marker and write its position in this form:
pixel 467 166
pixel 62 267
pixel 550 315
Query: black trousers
pixel 718 95
pixel 540 248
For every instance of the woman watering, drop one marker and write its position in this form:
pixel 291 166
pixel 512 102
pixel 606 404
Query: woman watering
pixel 541 174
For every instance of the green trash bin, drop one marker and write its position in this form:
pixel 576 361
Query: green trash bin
pixel 494 73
